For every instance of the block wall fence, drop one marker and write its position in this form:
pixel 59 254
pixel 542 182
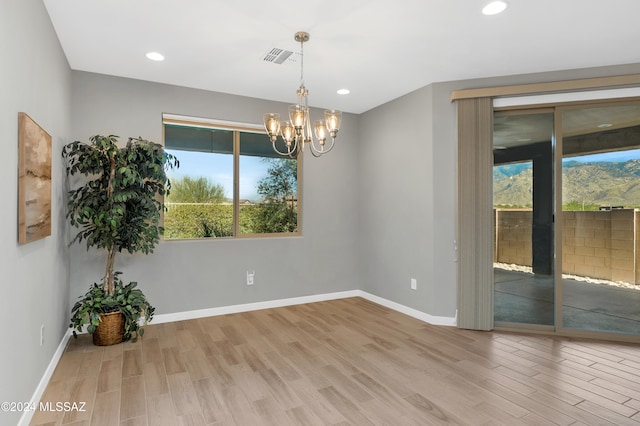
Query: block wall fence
pixel 596 244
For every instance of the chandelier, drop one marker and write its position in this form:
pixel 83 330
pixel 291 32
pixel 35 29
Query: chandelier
pixel 296 132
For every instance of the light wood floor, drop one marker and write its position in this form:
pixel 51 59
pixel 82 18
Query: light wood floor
pixel 343 362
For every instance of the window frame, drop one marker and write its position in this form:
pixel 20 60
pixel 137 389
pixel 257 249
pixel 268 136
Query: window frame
pixel 237 128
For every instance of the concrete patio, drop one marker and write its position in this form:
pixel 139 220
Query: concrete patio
pixel 522 297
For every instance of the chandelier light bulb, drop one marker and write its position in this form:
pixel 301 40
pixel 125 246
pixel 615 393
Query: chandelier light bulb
pixel 333 119
pixel 321 131
pixel 288 133
pixel 296 115
pixel 272 125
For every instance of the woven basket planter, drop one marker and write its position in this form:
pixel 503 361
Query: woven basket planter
pixel 111 329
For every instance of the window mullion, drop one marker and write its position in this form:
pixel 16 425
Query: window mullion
pixel 236 183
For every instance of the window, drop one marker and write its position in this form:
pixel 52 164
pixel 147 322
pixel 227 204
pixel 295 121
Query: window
pixel 230 182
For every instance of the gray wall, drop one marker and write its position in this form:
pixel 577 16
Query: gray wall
pixel 35 78
pixel 189 275
pixel 396 202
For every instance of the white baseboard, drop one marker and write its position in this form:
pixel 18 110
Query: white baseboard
pixel 44 381
pixel 246 307
pixel 233 309
pixel 433 320
pixel 202 313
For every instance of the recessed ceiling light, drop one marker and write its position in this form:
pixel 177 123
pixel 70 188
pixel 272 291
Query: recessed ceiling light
pixel 524 140
pixel 344 91
pixel 155 56
pixel 494 8
pixel 605 125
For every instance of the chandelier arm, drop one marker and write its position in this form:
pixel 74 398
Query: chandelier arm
pixel 289 151
pixel 313 152
pixel 323 151
pixel 333 141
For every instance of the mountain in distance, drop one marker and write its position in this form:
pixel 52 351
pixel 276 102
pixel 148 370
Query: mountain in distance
pixel 584 183
pixel 513 185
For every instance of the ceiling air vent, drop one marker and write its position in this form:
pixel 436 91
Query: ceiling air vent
pixel 279 56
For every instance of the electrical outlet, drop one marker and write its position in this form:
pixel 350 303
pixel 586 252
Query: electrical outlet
pixel 414 284
pixel 250 277
pixel 42 335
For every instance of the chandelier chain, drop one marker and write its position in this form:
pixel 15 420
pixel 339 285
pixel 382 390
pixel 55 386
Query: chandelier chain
pixel 301 62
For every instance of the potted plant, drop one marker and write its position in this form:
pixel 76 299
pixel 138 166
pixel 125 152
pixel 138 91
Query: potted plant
pixel 116 206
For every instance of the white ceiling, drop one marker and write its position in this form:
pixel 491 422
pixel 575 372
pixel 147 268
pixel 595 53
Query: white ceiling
pixel 379 50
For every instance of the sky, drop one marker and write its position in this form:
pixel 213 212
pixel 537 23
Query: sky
pixel 219 169
pixel 617 156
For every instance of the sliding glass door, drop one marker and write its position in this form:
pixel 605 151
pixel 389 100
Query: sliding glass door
pixel 524 291
pixel 600 285
pixel 566 195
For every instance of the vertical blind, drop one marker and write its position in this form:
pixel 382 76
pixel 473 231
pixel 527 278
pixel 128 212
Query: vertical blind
pixel 475 213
